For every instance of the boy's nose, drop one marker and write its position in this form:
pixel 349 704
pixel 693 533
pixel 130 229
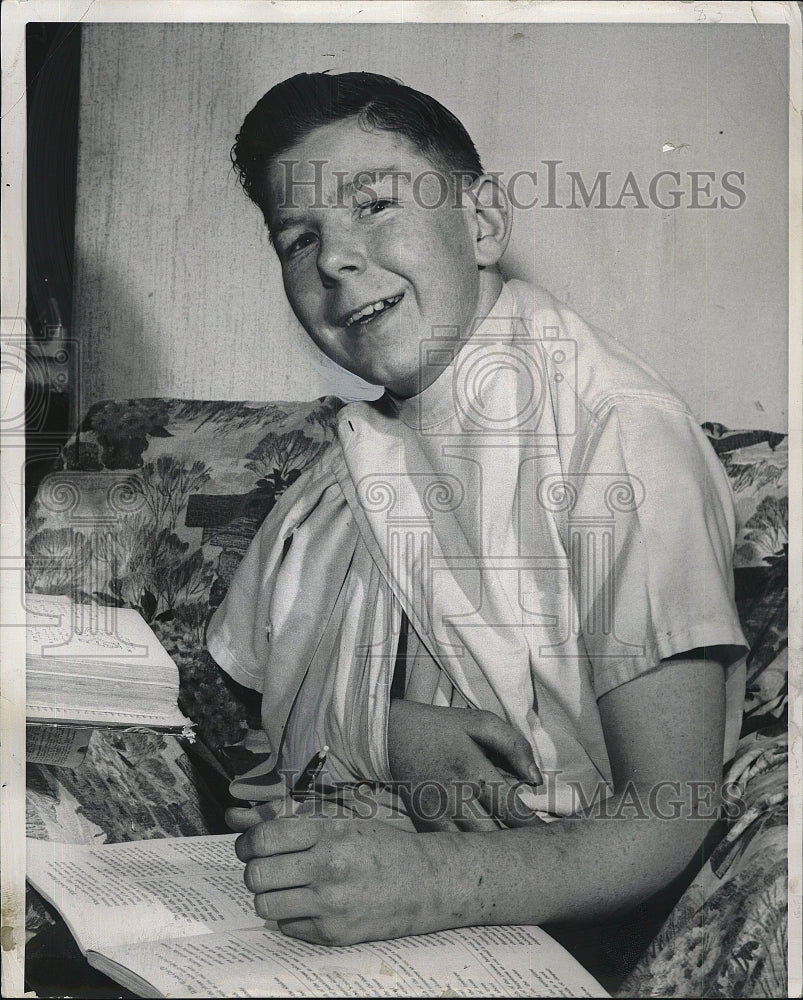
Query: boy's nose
pixel 339 257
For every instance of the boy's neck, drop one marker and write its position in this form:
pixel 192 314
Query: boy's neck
pixel 490 287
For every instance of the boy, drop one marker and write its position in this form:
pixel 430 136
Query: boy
pixel 514 567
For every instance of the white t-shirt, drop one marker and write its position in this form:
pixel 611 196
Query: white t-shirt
pixel 549 516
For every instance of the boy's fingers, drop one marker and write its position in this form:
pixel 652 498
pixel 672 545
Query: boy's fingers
pixel 476 817
pixel 507 746
pixel 290 904
pixel 520 806
pixel 493 795
pixel 242 818
pixel 524 810
pixel 283 871
pixel 302 928
pixel 511 802
pixel 277 836
pixel 474 804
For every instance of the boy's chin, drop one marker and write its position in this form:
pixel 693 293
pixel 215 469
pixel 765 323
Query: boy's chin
pixel 401 384
pixel 404 388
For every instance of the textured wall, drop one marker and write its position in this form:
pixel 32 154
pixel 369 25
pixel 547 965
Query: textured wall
pixel 700 293
pixel 177 290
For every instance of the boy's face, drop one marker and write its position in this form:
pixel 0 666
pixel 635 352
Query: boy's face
pixel 369 269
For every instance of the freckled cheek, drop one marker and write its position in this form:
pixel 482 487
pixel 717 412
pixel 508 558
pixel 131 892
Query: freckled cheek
pixel 307 306
pixel 330 345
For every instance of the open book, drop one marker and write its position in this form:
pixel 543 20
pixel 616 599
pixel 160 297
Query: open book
pixel 173 918
pixel 88 665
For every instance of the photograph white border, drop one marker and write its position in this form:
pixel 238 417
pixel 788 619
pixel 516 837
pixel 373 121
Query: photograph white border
pixel 15 15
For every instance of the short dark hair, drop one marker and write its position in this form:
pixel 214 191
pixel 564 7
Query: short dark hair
pixel 294 108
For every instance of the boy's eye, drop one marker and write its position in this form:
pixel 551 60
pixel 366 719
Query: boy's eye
pixel 299 244
pixel 375 206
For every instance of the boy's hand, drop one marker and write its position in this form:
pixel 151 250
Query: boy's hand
pixel 242 818
pixel 459 768
pixel 341 881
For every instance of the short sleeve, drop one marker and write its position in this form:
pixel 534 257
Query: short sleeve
pixel 298 552
pixel 653 527
pixel 237 633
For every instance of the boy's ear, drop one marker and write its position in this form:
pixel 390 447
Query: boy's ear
pixel 491 219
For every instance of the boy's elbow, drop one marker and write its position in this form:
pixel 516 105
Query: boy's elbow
pixel 682 822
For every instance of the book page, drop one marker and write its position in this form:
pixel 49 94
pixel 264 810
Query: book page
pixel 114 894
pixel 59 746
pixel 176 914
pixel 258 962
pixel 56 626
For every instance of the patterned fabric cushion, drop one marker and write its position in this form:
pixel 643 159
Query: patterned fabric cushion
pixel 154 506
pixel 757 463
pixel 727 935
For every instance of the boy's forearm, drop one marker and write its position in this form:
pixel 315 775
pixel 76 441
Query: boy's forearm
pixel 572 869
pixel 340 881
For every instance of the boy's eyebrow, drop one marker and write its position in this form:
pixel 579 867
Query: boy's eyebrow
pixel 276 226
pixel 362 178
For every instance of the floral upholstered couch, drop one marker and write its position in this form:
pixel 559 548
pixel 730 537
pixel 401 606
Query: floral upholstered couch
pixel 153 504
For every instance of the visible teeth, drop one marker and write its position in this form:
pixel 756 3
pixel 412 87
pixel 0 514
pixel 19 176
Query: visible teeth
pixel 371 309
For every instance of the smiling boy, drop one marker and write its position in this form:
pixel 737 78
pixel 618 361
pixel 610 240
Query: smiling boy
pixel 516 564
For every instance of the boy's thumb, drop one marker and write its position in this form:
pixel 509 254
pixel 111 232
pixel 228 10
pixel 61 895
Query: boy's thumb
pixel 507 748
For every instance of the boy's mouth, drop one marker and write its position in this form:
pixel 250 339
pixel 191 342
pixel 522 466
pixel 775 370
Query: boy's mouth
pixel 365 314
